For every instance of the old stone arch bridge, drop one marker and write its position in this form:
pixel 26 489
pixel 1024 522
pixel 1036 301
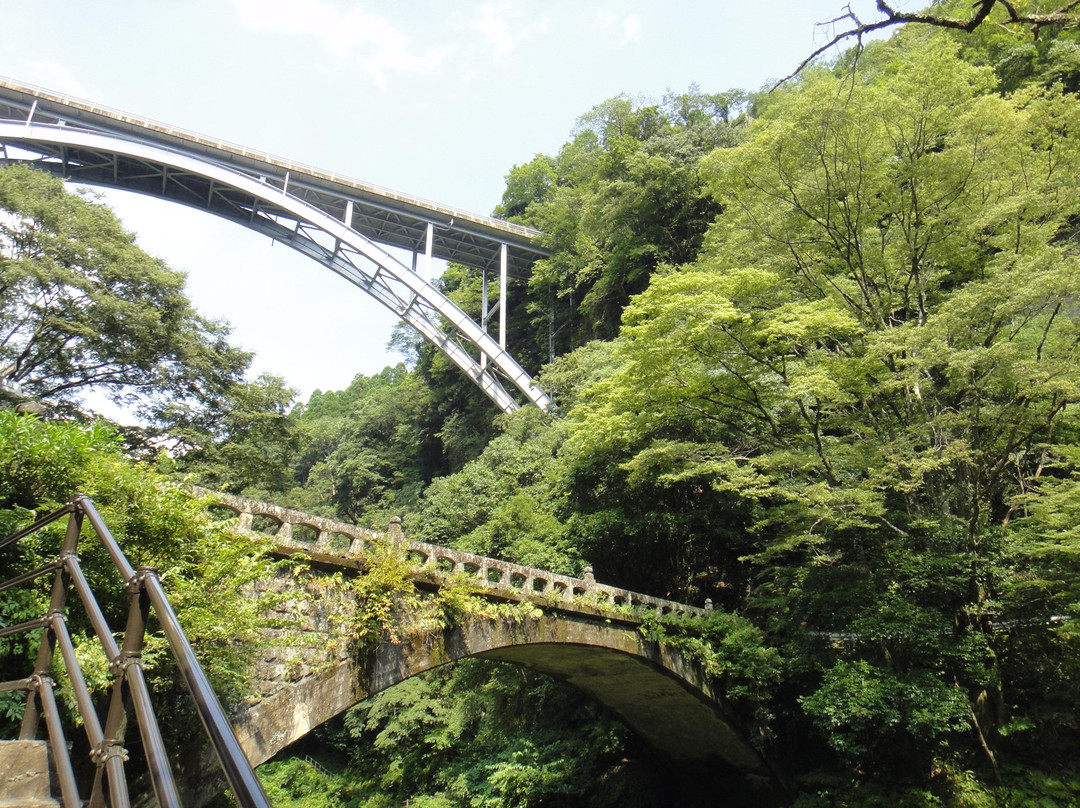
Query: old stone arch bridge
pixel 581 632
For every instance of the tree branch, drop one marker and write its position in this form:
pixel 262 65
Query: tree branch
pixel 1066 15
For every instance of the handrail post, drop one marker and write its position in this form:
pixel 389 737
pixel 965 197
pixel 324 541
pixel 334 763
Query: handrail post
pixel 47 646
pixel 129 669
pixel 69 790
pixel 110 755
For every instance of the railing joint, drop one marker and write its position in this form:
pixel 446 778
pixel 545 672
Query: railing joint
pixel 119 665
pixel 40 681
pixel 136 582
pixel 104 751
pixel 56 615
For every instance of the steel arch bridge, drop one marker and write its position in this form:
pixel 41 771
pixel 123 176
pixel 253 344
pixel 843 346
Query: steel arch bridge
pixel 341 223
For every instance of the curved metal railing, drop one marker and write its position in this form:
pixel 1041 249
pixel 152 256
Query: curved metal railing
pixel 106 741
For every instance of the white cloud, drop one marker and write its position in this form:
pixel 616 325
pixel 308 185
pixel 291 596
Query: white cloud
pixel 620 29
pixel 505 25
pixel 352 34
pixel 495 27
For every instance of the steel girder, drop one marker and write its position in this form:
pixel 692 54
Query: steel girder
pixel 297 209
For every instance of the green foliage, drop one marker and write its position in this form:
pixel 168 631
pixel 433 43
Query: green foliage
pixel 388 602
pixel 950 787
pixel 1018 58
pixel 518 530
pixel 500 504
pixel 368 449
pixel 249 446
pixel 205 569
pixel 297 783
pixel 872 366
pixel 622 198
pixel 479 734
pixel 390 607
pixel 731 651
pixel 862 708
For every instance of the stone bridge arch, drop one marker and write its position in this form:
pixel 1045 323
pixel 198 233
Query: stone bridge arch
pixel 653 689
pixel 579 631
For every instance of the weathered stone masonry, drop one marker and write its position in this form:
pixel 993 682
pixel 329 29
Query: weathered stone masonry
pixel 584 633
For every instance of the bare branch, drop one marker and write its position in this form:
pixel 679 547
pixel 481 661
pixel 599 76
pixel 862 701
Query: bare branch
pixel 1066 15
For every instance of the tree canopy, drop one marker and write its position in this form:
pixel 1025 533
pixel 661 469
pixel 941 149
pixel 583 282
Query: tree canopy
pixel 874 359
pixel 82 307
pixel 952 15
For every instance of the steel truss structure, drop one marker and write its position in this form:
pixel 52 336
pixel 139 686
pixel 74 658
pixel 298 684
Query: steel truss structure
pixel 339 222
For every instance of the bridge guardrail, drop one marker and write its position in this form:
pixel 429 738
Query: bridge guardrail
pixel 119 116
pixel 500 578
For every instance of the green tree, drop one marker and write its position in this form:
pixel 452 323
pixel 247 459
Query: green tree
pixel 500 504
pixel 247 444
pixel 1026 23
pixel 485 734
pixel 82 307
pixel 370 448
pixel 623 197
pixel 873 355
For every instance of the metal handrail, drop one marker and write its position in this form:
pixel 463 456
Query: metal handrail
pixel 129 689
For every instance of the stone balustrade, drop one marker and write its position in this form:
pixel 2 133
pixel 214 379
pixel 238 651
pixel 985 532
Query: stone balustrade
pixel 330 541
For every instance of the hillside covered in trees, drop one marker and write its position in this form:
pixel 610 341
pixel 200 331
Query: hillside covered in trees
pixel 815 354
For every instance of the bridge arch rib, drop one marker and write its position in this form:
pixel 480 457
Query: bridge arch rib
pixel 339 223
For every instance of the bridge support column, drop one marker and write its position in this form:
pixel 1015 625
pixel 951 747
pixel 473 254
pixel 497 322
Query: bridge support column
pixel 502 295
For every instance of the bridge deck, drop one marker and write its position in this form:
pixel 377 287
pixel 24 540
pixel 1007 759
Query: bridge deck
pixel 381 214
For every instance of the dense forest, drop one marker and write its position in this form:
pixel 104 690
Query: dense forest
pixel 815 356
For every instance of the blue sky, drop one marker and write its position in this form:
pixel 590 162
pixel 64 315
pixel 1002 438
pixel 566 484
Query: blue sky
pixel 439 100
